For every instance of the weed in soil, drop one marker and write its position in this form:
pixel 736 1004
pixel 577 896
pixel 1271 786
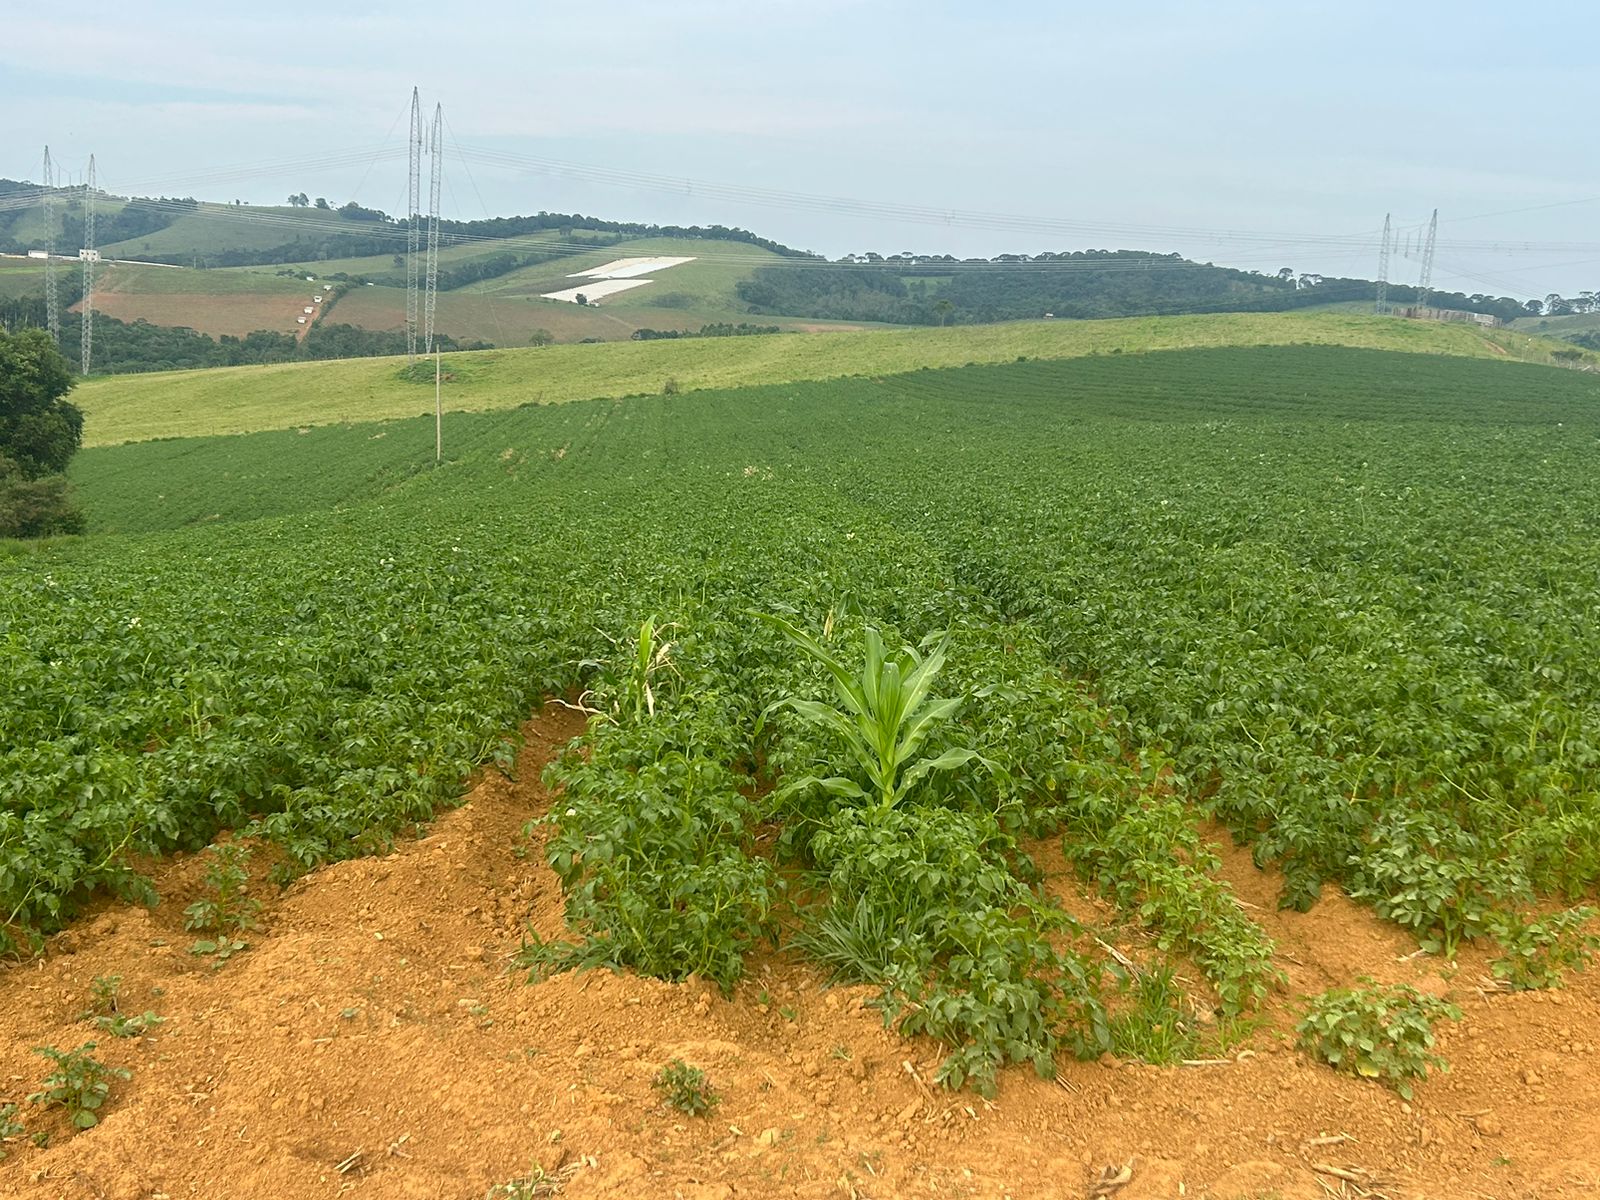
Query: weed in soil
pixel 686 1088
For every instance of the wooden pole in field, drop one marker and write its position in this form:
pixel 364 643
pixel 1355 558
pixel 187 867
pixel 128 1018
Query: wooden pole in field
pixel 438 412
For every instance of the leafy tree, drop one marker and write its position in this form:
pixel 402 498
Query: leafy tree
pixel 40 431
pixel 299 200
pixel 541 337
pixel 322 202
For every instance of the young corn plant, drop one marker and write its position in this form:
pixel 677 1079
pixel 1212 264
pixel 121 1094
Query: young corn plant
pixel 884 714
pixel 633 693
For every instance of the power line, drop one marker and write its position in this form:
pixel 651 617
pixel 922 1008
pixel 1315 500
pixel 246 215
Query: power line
pixel 89 254
pixel 1425 288
pixel 1382 304
pixel 413 208
pixel 52 301
pixel 436 151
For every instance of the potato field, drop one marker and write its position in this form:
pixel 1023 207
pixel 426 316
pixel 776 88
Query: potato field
pixel 852 656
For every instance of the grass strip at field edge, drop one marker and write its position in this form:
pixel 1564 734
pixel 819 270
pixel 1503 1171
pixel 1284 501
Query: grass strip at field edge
pixel 229 400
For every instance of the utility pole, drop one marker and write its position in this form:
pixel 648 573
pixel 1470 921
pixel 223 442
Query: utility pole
pixel 438 412
pixel 434 183
pixel 1382 305
pixel 1425 287
pixel 88 254
pixel 413 232
pixel 52 301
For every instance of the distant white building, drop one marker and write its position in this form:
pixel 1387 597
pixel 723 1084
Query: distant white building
pixel 309 310
pixel 38 254
pixel 89 255
pixel 1451 315
pixel 302 320
pixel 316 299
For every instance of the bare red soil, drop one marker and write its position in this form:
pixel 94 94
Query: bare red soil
pixel 372 1041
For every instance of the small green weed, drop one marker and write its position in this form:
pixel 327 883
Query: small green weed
pixel 228 911
pixel 525 1187
pixel 107 1015
pixel 227 908
pixel 10 1127
pixel 686 1088
pixel 1155 1028
pixel 79 1084
pixel 1377 1033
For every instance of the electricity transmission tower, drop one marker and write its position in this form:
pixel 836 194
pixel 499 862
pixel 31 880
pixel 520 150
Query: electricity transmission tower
pixel 436 149
pixel 1425 286
pixel 413 231
pixel 88 254
pixel 52 302
pixel 1382 305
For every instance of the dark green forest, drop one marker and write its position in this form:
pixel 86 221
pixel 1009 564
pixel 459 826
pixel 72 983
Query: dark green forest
pixel 349 231
pixel 1082 285
pixel 123 347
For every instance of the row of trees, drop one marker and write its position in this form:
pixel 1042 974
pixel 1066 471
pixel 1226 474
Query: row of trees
pixel 1556 305
pixel 936 290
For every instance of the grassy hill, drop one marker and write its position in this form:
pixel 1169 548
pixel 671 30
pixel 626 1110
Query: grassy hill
pixel 216 227
pixel 22 277
pixel 1558 327
pixel 242 399
pixel 505 310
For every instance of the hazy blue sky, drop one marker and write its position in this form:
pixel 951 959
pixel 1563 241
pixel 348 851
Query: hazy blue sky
pixel 1256 134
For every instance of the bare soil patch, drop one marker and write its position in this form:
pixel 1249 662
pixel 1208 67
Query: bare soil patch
pixel 371 1041
pixel 215 315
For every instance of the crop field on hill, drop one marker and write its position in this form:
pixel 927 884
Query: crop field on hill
pixel 244 399
pixel 19 277
pixel 212 302
pixel 864 663
pixel 221 227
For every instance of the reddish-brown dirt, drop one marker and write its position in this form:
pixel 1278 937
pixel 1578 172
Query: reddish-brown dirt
pixel 372 1041
pixel 214 315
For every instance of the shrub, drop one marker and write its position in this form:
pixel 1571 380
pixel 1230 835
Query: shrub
pixel 1537 951
pixel 1377 1033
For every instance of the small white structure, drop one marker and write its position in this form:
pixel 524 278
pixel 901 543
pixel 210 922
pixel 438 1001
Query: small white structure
pixel 308 310
pixel 630 268
pixel 302 320
pixel 89 255
pixel 38 254
pixel 311 278
pixel 316 299
pixel 617 276
pixel 594 292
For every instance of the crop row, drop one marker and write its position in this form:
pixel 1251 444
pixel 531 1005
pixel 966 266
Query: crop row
pixel 1342 601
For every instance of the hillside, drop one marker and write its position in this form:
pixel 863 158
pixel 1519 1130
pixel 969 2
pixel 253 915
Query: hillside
pixel 241 399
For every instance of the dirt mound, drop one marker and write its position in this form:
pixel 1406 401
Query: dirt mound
pixel 372 1041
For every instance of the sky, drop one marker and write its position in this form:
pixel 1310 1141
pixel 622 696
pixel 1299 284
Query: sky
pixel 1253 134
